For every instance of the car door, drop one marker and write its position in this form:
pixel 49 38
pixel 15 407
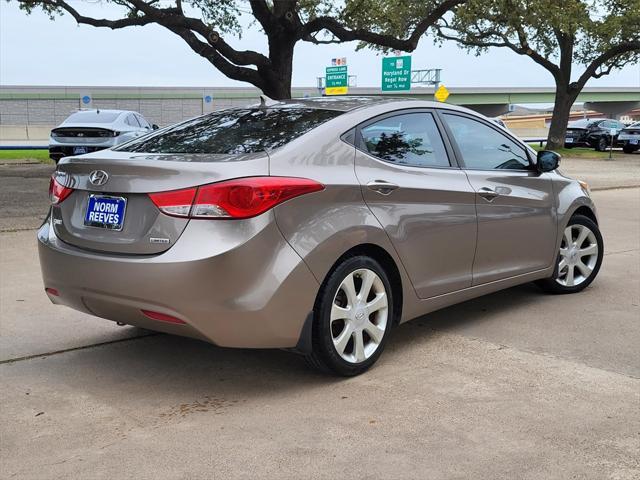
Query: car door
pixel 514 203
pixel 421 198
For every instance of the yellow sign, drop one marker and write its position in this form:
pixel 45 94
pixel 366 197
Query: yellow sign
pixel 442 94
pixel 336 90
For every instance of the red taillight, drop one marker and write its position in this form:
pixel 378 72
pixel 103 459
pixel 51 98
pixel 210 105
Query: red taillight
pixel 57 191
pixel 176 202
pixel 239 198
pixel 162 317
pixel 52 291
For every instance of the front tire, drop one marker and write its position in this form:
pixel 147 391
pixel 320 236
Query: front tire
pixel 579 258
pixel 352 317
pixel 627 149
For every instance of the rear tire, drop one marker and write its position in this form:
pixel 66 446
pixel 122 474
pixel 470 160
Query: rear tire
pixel 602 144
pixel 626 149
pixel 579 258
pixel 352 317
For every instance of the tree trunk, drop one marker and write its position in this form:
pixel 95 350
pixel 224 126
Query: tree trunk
pixel 276 87
pixel 565 96
pixel 277 77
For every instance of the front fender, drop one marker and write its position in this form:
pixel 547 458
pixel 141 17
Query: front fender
pixel 570 197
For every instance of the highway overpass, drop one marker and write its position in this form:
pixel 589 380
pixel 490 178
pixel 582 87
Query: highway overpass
pixel 29 112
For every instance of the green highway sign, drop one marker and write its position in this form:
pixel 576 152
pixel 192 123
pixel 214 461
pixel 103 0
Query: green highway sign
pixel 396 73
pixel 337 81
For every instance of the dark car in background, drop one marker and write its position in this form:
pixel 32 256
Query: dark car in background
pixel 630 138
pixel 594 133
pixel 87 131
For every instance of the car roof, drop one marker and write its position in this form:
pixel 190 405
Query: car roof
pixel 585 121
pixel 103 110
pixel 348 103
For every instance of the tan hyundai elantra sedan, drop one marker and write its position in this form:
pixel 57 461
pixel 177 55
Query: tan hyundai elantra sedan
pixel 313 225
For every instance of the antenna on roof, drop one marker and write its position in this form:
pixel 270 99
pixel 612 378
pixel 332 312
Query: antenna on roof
pixel 267 102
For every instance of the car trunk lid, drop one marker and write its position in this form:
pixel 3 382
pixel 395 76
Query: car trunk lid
pixel 130 177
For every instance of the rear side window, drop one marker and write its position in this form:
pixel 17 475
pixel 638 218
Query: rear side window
pixel 409 139
pixel 233 131
pixel 132 120
pixel 143 123
pixel 484 148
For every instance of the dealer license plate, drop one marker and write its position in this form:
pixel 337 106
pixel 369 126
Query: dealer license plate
pixel 104 211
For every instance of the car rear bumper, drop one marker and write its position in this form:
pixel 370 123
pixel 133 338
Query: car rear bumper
pixel 253 292
pixel 59 149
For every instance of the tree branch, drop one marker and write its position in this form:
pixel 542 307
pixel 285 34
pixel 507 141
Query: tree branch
pixel 229 61
pixel 482 40
pixel 95 22
pixel 206 51
pixel 611 54
pixel 170 18
pixel 389 41
pixel 261 11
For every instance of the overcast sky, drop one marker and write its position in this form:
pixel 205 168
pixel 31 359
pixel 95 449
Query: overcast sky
pixel 37 51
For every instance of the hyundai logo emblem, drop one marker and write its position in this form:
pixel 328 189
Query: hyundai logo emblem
pixel 98 177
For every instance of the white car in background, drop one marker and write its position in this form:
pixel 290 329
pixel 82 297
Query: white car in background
pixel 90 130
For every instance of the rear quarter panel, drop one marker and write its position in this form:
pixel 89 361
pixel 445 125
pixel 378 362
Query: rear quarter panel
pixel 322 226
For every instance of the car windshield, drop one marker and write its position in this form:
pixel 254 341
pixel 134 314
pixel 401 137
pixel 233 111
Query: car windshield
pixel 233 131
pixel 93 117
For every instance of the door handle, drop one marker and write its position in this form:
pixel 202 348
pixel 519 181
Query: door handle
pixel 489 194
pixel 382 187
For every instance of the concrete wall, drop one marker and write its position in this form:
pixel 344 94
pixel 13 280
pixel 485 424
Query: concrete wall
pixel 52 112
pixel 30 112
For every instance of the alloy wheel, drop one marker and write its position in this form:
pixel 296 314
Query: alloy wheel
pixel 578 255
pixel 359 315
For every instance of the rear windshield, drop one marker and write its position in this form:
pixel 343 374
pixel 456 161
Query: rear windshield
pixel 93 117
pixel 233 131
pixel 584 123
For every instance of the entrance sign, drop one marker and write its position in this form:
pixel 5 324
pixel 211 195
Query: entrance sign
pixel 442 94
pixel 337 81
pixel 396 73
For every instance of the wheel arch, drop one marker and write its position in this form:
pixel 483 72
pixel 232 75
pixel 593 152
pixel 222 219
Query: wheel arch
pixel 387 262
pixel 586 212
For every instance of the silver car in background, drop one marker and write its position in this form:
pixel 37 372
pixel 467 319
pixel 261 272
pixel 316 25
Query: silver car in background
pixel 313 225
pixel 87 131
pixel 630 138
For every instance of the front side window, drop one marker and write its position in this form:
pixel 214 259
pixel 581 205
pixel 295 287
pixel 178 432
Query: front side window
pixel 409 139
pixel 233 131
pixel 484 148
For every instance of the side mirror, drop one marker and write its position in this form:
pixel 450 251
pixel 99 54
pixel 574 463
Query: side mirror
pixel 548 161
pixel 155 127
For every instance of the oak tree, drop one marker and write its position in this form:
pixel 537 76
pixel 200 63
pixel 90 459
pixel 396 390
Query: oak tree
pixel 211 29
pixel 574 40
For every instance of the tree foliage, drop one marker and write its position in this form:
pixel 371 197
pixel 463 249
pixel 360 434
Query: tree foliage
pixel 599 35
pixel 596 36
pixel 210 27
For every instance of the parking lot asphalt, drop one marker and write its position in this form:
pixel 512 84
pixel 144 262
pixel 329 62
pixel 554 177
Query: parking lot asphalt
pixel 518 384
